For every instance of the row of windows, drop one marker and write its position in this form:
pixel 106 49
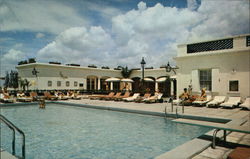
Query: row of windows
pixel 67 84
pixel 206 81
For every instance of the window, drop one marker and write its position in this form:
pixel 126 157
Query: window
pixel 59 83
pixel 206 79
pixel 75 83
pixel 67 83
pixel 49 83
pixel 80 84
pixel 233 86
pixel 88 84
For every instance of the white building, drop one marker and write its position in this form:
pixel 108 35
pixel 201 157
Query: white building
pixel 61 77
pixel 222 66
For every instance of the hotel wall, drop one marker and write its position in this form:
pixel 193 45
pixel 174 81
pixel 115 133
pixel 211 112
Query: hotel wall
pixel 155 73
pixel 54 73
pixel 225 67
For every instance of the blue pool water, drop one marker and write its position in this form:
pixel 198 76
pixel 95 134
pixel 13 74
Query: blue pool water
pixel 68 132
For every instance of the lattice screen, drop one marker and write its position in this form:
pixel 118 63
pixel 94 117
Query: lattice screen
pixel 248 40
pixel 210 46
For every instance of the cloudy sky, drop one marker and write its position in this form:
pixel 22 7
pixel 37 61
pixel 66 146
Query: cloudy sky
pixel 112 32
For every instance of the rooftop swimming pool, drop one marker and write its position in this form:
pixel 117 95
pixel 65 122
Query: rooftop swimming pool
pixel 71 132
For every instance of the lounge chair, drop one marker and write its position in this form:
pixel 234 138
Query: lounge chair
pixel 153 99
pixel 202 103
pixel 103 97
pixel 126 95
pixel 5 99
pixel 21 97
pixel 117 95
pixel 246 104
pixel 130 99
pixel 216 101
pixel 239 153
pixel 140 99
pixel 176 101
pixel 61 96
pixel 76 96
pixel 48 96
pixel 34 96
pixel 99 96
pixel 232 102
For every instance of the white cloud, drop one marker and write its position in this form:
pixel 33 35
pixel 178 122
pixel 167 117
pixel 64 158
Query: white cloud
pixel 192 4
pixel 18 45
pixel 150 32
pixel 105 11
pixel 162 28
pixel 10 59
pixel 41 16
pixel 39 35
pixel 142 6
pixel 220 21
pixel 79 45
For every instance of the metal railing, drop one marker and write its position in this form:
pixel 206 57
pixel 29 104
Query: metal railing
pixel 214 137
pixel 172 108
pixel 14 129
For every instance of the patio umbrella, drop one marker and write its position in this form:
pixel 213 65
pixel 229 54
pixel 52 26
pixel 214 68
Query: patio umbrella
pixel 112 79
pixel 148 80
pixel 162 79
pixel 173 77
pixel 127 80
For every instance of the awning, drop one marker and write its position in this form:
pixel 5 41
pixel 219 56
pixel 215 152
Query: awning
pixel 112 79
pixel 148 80
pixel 127 80
pixel 162 79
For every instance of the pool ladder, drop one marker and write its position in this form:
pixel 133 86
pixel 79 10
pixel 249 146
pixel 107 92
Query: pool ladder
pixel 14 129
pixel 172 109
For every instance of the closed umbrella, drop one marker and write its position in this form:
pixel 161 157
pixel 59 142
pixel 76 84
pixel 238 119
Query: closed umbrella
pixel 162 79
pixel 112 79
pixel 127 80
pixel 173 77
pixel 148 80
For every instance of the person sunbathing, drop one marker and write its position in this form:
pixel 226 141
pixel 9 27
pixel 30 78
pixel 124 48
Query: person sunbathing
pixel 203 95
pixel 6 93
pixel 185 97
pixel 20 94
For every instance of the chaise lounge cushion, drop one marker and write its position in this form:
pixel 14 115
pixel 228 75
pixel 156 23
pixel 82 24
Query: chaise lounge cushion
pixel 240 153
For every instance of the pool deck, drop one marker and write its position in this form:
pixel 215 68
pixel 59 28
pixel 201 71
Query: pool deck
pixel 235 115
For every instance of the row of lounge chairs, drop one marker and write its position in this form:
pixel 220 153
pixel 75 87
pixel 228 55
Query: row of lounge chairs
pixel 147 98
pixel 33 96
pixel 220 101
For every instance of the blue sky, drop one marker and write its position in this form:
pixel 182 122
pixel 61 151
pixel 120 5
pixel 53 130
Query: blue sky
pixel 112 32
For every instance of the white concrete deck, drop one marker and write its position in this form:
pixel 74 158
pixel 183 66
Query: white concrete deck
pixel 159 107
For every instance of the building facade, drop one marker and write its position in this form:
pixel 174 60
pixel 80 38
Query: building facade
pixel 63 77
pixel 222 66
